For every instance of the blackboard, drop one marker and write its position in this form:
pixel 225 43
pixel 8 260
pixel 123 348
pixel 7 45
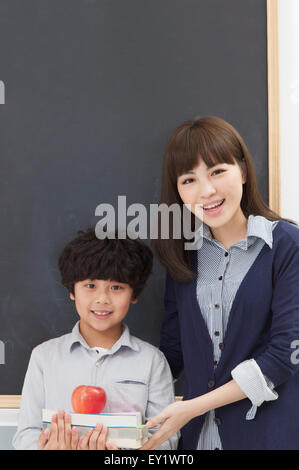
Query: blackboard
pixel 93 90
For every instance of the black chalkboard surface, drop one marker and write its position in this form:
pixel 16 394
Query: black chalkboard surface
pixel 93 90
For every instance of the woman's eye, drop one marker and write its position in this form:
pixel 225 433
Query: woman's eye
pixel 218 172
pixel 187 180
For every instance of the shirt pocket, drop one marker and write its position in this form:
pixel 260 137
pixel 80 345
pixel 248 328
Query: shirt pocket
pixel 128 394
pixel 130 382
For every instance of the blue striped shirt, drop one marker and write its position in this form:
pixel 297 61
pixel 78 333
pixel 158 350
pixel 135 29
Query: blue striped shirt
pixel 220 273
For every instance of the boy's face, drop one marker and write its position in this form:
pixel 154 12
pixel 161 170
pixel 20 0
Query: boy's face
pixel 101 305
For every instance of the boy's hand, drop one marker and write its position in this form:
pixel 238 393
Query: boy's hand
pixel 60 436
pixel 95 439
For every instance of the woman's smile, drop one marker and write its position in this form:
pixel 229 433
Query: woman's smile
pixel 214 207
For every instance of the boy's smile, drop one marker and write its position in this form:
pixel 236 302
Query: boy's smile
pixel 102 305
pixel 101 313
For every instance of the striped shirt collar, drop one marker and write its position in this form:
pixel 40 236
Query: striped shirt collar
pixel 258 227
pixel 125 340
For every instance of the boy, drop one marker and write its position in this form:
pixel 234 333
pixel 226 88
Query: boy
pixel 103 278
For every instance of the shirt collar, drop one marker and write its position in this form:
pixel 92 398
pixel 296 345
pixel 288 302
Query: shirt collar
pixel 126 340
pixel 258 227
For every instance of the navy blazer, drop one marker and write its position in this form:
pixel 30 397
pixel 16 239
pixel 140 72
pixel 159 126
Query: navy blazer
pixel 263 325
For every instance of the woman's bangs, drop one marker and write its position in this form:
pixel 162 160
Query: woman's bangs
pixel 199 146
pixel 215 149
pixel 183 162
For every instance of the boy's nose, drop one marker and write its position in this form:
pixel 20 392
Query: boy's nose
pixel 101 298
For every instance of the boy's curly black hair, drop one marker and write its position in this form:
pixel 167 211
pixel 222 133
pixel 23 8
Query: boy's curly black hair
pixel 121 260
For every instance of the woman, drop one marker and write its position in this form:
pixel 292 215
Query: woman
pixel 231 304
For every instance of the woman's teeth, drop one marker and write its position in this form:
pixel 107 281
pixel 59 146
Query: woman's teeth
pixel 213 206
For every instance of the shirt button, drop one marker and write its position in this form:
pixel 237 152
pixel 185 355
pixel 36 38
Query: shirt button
pixel 211 383
pixel 226 253
pixel 217 305
pixel 221 346
pixel 216 333
pixel 217 421
pixel 220 278
pixel 215 363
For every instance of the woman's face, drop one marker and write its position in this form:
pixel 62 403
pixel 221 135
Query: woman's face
pixel 214 194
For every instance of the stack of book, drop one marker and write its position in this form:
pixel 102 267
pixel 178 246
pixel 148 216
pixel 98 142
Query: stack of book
pixel 125 430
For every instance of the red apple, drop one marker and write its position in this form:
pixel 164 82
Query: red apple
pixel 88 399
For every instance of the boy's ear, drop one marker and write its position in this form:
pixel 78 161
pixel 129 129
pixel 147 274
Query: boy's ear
pixel 72 296
pixel 134 301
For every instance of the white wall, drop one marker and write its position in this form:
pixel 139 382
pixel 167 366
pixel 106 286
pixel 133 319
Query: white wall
pixel 289 106
pixel 8 427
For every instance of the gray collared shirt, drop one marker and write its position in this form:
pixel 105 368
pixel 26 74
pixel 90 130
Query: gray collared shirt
pixel 134 374
pixel 220 273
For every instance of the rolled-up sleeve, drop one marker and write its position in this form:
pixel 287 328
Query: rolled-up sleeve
pixel 254 384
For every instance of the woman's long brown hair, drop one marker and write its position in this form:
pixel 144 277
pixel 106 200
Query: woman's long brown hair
pixel 215 141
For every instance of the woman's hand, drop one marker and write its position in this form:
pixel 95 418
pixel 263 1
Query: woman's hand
pixel 96 439
pixel 173 418
pixel 176 415
pixel 60 436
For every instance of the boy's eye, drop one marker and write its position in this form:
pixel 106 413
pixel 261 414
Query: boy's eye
pixel 90 285
pixel 117 287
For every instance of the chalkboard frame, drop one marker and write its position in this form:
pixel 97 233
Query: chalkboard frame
pixel 274 168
